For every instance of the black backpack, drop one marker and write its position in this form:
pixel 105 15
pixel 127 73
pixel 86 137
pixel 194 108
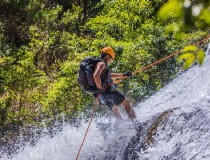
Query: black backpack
pixel 85 74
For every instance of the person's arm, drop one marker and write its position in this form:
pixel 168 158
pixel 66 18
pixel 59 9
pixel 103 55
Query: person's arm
pixel 116 75
pixel 120 75
pixel 97 73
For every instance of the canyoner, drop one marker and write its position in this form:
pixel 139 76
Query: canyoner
pixel 94 77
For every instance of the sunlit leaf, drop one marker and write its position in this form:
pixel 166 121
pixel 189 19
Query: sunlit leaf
pixel 200 57
pixel 189 62
pixel 185 56
pixel 190 48
pixel 205 16
pixel 172 8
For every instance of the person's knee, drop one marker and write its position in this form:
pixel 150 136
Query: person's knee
pixel 125 102
pixel 115 108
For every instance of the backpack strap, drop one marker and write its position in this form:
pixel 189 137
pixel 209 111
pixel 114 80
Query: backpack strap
pixel 101 60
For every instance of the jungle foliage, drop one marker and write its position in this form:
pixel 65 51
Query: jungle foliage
pixel 43 41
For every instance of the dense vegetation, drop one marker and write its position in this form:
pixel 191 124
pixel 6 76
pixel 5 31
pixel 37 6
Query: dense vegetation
pixel 43 41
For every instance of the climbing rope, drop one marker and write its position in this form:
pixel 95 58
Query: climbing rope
pixel 94 110
pixel 120 79
pixel 158 61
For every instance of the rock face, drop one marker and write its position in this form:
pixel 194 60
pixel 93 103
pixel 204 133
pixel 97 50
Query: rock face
pixel 173 135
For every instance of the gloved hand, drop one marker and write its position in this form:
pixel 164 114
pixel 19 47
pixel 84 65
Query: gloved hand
pixel 127 74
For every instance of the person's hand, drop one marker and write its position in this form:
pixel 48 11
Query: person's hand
pixel 127 74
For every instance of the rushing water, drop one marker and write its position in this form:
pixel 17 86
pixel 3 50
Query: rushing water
pixel 175 124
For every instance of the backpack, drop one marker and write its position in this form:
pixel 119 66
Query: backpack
pixel 85 74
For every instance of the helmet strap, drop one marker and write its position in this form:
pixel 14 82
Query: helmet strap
pixel 103 55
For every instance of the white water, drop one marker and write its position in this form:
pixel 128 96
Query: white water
pixel 176 139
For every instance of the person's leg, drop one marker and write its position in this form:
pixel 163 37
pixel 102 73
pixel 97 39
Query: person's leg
pixel 113 99
pixel 116 111
pixel 129 110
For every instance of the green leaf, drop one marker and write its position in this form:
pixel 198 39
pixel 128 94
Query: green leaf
pixel 205 16
pixel 189 62
pixel 185 56
pixel 200 57
pixel 190 49
pixel 168 10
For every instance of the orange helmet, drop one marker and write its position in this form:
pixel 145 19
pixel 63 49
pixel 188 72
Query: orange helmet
pixel 109 51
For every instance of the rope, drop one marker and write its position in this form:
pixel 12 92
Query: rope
pixel 158 61
pixel 94 110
